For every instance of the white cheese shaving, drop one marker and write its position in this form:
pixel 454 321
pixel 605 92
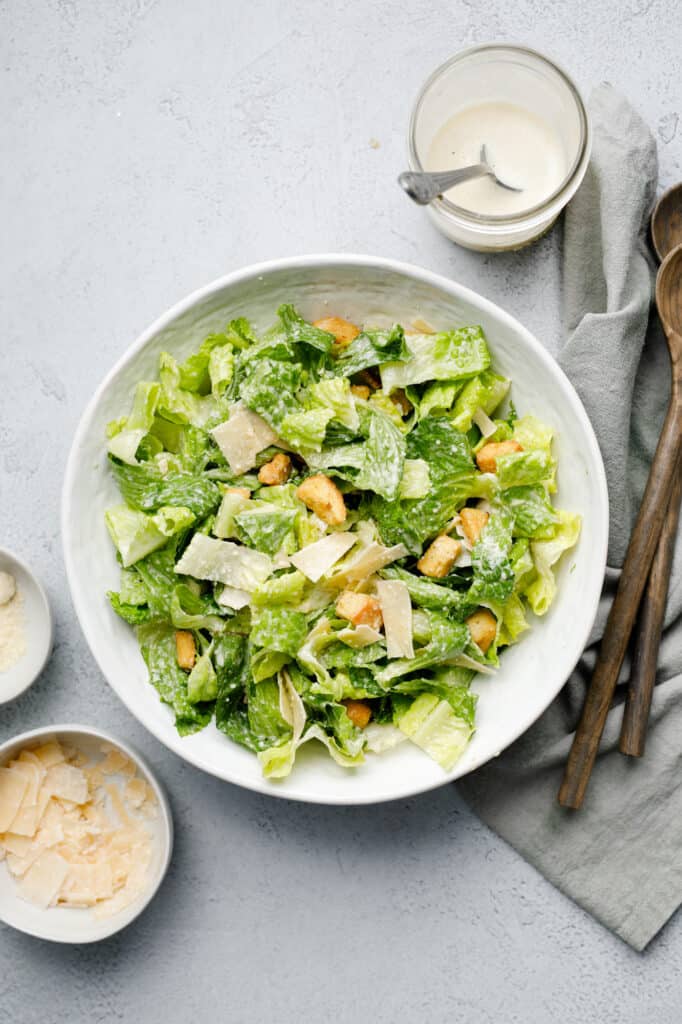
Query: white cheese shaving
pixel 13 786
pixel 44 878
pixel 365 563
pixel 317 558
pixel 241 437
pixel 231 597
pixel 361 636
pixel 396 611
pixel 206 558
pixel 484 423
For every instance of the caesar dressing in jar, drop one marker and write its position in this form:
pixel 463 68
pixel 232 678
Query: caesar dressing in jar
pixel 531 119
pixel 525 152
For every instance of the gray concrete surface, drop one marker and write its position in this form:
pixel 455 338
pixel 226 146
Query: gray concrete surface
pixel 148 147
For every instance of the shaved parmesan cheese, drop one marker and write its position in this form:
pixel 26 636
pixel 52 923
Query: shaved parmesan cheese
pixel 463 561
pixel 66 847
pixel 316 559
pixel 365 563
pixel 242 437
pixel 230 597
pixel 379 738
pixel 13 786
pixel 396 611
pixel 68 783
pixel 113 763
pixel 206 558
pixel 44 879
pixel 484 423
pixel 362 636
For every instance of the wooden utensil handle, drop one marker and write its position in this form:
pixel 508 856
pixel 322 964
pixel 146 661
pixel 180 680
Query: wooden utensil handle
pixel 623 610
pixel 650 625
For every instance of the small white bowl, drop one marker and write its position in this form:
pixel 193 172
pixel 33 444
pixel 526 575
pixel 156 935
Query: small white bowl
pixel 38 625
pixel 79 925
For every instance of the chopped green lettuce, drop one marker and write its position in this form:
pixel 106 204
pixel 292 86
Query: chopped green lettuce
pixel 450 355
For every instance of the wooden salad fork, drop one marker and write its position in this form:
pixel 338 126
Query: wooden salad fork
pixel 663 476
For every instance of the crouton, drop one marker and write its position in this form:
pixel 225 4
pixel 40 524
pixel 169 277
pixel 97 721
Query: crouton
pixel 358 712
pixel 185 649
pixel 400 399
pixel 343 331
pixel 487 457
pixel 483 628
pixel 440 556
pixel 323 497
pixel 473 521
pixel 370 378
pixel 360 391
pixel 276 471
pixel 360 609
pixel 243 492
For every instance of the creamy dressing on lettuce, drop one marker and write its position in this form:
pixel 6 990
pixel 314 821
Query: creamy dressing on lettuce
pixel 258 581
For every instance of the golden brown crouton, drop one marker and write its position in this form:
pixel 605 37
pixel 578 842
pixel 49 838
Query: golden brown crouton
pixel 360 609
pixel 276 471
pixel 473 521
pixel 487 457
pixel 483 628
pixel 244 492
pixel 343 331
pixel 400 399
pixel 185 649
pixel 440 556
pixel 323 497
pixel 358 712
pixel 360 391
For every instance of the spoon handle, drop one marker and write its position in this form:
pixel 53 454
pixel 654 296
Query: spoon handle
pixel 423 186
pixel 621 618
pixel 650 625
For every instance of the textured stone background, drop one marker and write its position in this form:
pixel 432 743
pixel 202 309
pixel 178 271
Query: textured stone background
pixel 149 147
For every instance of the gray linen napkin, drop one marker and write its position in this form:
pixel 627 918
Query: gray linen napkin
pixel 620 857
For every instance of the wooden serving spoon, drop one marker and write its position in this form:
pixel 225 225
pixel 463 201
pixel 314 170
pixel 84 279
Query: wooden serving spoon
pixel 640 551
pixel 666 234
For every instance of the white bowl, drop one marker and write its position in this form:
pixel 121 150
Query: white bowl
pixel 365 289
pixel 71 924
pixel 38 625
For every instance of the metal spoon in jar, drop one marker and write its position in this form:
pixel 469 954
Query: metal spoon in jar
pixel 425 186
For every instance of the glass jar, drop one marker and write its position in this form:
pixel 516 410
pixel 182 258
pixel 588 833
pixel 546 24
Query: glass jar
pixel 511 75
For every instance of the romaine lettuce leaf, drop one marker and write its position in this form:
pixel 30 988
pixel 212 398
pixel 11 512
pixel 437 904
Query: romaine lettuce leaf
pixel 541 590
pixel 123 444
pixel 532 512
pixel 202 682
pixel 144 487
pixel 374 465
pixel 189 610
pixel 136 534
pixel 450 355
pixel 428 594
pixel 452 473
pixel 157 644
pixel 270 387
pixel 432 724
pixel 448 639
pixel 491 560
pixel 371 348
pixel 285 589
pixel 524 469
pixel 485 392
pixel 279 629
pixel 264 527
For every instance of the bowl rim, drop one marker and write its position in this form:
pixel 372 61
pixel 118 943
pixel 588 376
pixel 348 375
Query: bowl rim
pixel 600 522
pixel 107 926
pixel 47 630
pixel 563 192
